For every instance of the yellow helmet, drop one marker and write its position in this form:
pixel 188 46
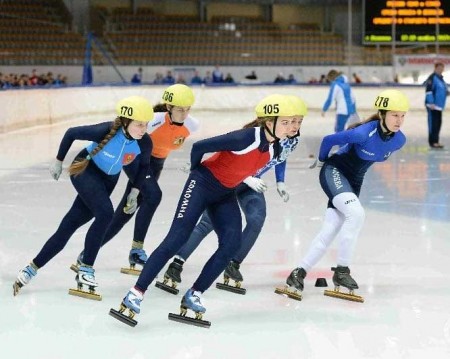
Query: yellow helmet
pixel 392 100
pixel 178 95
pixel 275 105
pixel 299 104
pixel 136 108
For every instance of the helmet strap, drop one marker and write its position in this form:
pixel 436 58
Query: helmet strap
pixel 125 123
pixel 383 123
pixel 272 132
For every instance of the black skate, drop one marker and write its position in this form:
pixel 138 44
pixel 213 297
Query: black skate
pixel 137 256
pixel 192 301
pixel 132 303
pixel 232 272
pixel 295 280
pixel 172 274
pixel 342 277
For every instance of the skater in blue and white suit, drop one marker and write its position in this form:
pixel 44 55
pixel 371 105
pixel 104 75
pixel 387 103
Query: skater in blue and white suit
pixel 341 178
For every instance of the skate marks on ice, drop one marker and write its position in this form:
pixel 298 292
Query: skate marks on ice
pixel 183 318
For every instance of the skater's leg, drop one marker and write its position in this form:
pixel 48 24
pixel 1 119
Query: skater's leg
pixel 227 222
pixel 331 226
pixel 78 215
pixel 253 205
pixel 191 205
pixel 201 230
pixel 350 207
pixel 341 120
pixel 94 188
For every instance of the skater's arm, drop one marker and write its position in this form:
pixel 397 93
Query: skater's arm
pixel 355 135
pixel 95 133
pixel 146 147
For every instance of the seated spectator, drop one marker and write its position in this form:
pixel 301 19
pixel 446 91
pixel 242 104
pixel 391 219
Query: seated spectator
pixel 280 79
pixel 169 79
pixel 181 80
pixel 291 79
pixel 208 78
pixel 252 76
pixel 217 75
pixel 137 77
pixel 158 78
pixel 196 79
pixel 229 79
pixel 323 79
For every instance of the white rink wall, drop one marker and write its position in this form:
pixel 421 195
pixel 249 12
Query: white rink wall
pixel 27 108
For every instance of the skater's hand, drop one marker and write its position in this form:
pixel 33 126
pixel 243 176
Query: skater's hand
pixel 132 201
pixel 55 169
pixel 317 163
pixel 282 191
pixel 186 168
pixel 256 184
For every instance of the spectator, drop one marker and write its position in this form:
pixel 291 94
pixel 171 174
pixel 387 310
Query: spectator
pixel 196 79
pixel 208 78
pixel 291 79
pixel 137 77
pixel 436 93
pixel 229 79
pixel 169 79
pixel 252 76
pixel 279 79
pixel 323 79
pixel 158 78
pixel 217 75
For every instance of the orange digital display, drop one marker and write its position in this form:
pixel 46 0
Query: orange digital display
pixel 408 21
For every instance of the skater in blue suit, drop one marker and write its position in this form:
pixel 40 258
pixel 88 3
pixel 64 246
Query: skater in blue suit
pixel 94 174
pixel 341 177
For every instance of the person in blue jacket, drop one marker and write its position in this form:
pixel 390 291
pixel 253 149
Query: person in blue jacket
pixel 94 174
pixel 340 93
pixel 211 186
pixel 435 98
pixel 250 195
pixel 341 177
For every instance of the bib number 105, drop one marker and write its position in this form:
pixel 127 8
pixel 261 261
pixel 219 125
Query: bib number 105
pixel 271 109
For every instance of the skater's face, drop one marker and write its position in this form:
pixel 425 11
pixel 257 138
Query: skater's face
pixel 179 114
pixel 287 126
pixel 137 129
pixel 394 120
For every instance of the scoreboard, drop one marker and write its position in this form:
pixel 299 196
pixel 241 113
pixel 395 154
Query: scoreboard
pixel 415 21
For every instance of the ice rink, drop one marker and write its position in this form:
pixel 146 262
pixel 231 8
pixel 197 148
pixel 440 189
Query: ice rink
pixel 401 262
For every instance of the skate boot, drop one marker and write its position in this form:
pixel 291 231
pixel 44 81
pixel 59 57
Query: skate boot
pixel 232 272
pixel 132 302
pixel 342 277
pixel 86 276
pixel 173 274
pixel 74 267
pixel 137 256
pixel 24 277
pixel 295 280
pixel 191 300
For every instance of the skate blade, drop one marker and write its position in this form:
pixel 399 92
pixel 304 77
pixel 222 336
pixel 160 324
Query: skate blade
pixel 16 287
pixel 74 267
pixel 346 296
pixel 189 320
pixel 122 317
pixel 230 288
pixel 130 271
pixel 166 288
pixel 289 293
pixel 83 294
